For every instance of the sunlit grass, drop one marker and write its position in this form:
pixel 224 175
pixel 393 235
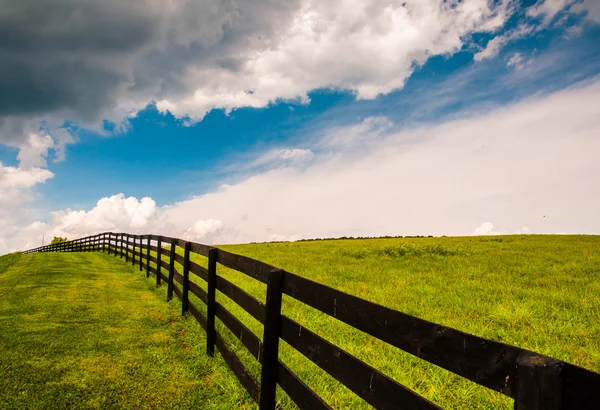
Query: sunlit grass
pixel 538 292
pixel 85 331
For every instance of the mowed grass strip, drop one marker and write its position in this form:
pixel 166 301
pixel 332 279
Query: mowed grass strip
pixel 87 331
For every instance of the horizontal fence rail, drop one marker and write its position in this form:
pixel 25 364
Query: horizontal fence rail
pixel 534 381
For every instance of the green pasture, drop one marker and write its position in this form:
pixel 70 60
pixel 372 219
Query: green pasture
pixel 538 292
pixel 82 331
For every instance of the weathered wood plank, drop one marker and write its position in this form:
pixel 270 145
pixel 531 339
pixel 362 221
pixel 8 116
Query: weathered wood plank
pixel 245 335
pixel 200 249
pixel 251 267
pixel 199 271
pixel 179 259
pixel 580 388
pixel 244 376
pixel 304 397
pixel 198 315
pixel 177 291
pixel 243 299
pixel 368 383
pixel 198 291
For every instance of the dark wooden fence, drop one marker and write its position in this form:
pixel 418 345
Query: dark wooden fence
pixel 534 381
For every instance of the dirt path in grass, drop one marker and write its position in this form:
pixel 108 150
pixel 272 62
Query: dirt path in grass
pixel 87 331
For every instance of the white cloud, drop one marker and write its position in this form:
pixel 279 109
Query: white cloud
pixel 547 9
pixel 284 157
pixel 204 230
pixel 191 57
pixel 368 46
pixel 516 61
pixel 492 48
pixel 590 7
pixel 486 228
pixel 15 183
pixel 35 151
pixel 16 189
pixel 531 164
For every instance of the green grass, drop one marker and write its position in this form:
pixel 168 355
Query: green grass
pixel 86 331
pixel 538 292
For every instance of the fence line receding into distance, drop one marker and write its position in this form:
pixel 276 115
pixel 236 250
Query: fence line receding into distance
pixel 534 381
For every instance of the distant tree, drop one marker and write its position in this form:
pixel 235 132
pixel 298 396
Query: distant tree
pixel 58 239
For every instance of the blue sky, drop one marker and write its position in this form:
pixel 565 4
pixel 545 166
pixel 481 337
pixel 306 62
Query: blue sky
pixel 185 133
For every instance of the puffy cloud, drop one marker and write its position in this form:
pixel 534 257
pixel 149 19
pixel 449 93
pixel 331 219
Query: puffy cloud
pixel 486 228
pixel 17 187
pixel 115 212
pixel 204 230
pixel 88 60
pixel 15 183
pixel 369 47
pixel 35 151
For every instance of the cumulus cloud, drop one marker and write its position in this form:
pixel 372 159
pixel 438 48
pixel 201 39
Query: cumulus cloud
pixel 524 165
pixel 486 228
pixel 87 60
pixel 369 47
pixel 35 151
pixel 17 188
pixel 15 183
pixel 204 230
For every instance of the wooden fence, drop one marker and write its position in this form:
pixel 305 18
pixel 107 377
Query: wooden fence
pixel 534 381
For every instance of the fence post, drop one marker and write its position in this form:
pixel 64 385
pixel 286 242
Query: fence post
pixel 133 251
pixel 158 260
pixel 211 333
pixel 185 297
pixel 171 271
pixel 148 256
pixel 122 244
pixel 538 382
pixel 141 251
pixel 272 330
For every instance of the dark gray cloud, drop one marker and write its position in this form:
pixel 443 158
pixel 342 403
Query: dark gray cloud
pixel 60 55
pixel 86 60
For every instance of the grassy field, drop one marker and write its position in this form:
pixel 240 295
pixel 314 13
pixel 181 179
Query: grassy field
pixel 86 331
pixel 537 292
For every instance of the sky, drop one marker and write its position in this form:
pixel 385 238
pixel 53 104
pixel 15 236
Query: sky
pixel 233 122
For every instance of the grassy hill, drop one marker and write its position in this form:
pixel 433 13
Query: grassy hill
pixel 537 292
pixel 86 331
